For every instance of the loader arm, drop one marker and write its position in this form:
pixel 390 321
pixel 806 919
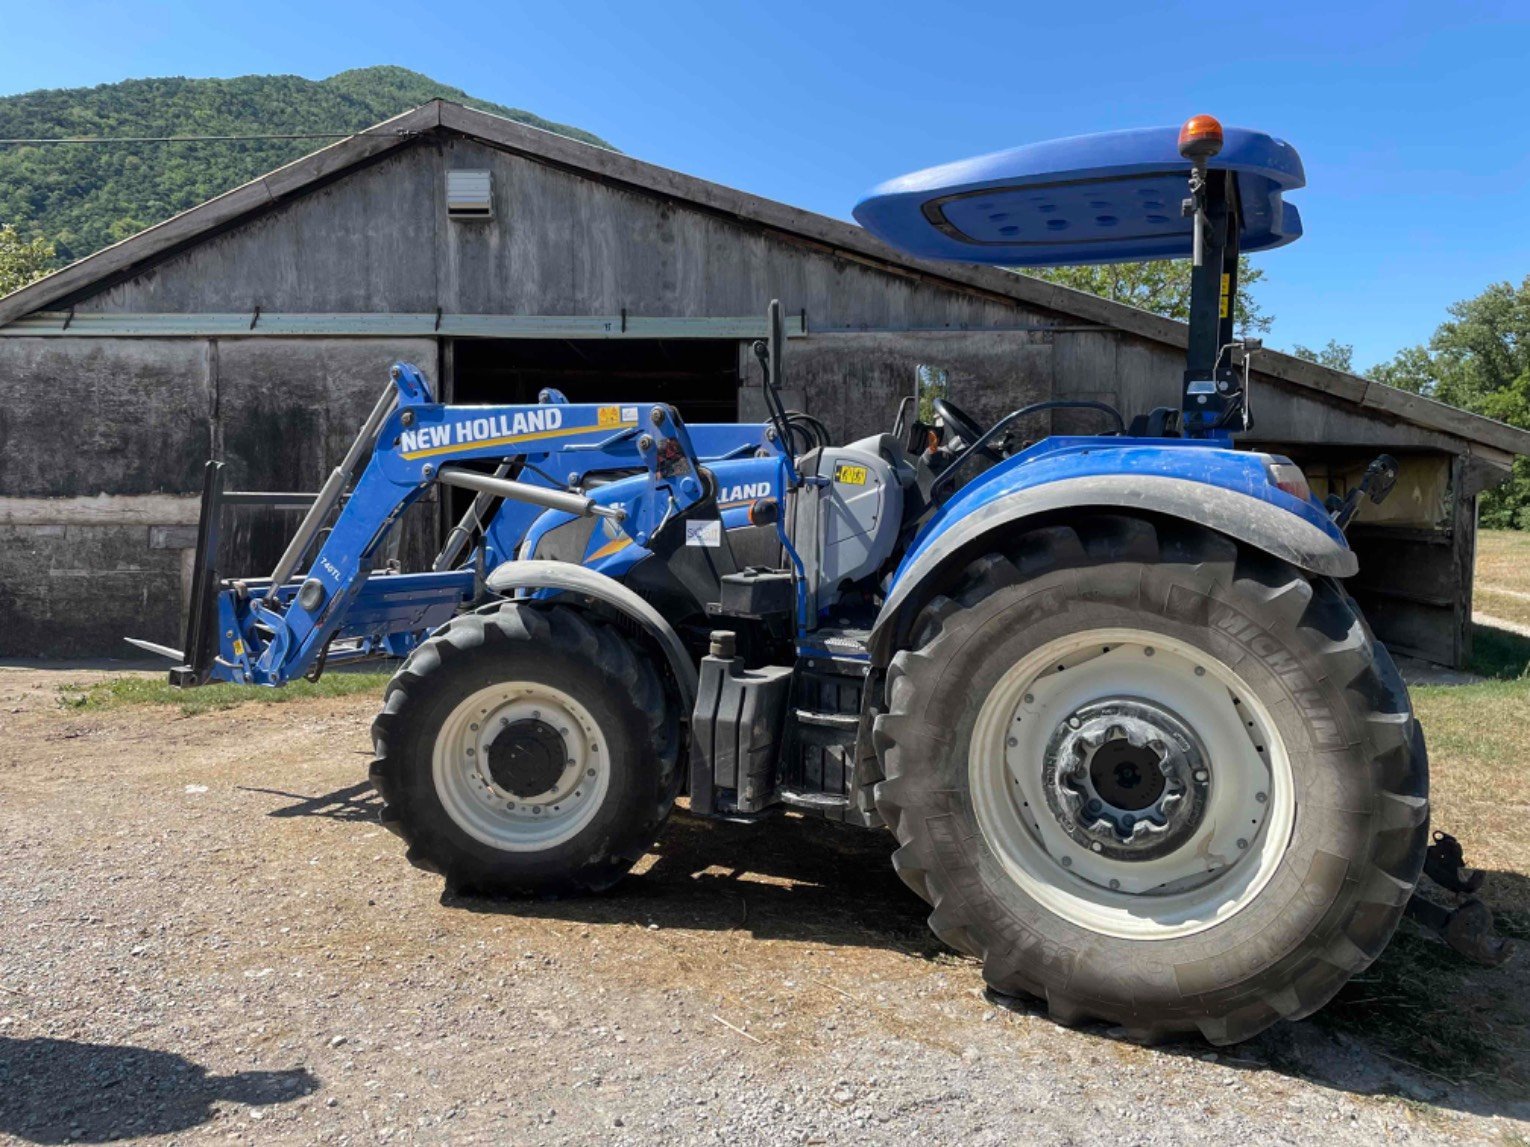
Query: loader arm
pixel 269 631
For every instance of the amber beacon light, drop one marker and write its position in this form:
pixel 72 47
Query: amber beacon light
pixel 1200 138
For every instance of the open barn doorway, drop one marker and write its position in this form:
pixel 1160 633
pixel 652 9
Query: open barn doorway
pixel 699 377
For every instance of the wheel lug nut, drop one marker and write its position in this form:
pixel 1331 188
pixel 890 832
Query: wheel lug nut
pixel 1012 742
pixel 1066 862
pixel 1115 884
pixel 1074 722
pixel 1029 697
pixel 589 772
pixel 1097 847
pixel 1242 843
pixel 1202 775
pixel 1200 671
pixel 1261 797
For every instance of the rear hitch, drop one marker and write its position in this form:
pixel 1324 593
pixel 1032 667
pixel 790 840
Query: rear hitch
pixel 1468 928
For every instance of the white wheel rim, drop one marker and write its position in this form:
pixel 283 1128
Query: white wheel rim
pixel 485 808
pixel 1232 849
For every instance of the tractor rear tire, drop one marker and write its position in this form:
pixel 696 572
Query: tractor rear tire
pixel 1153 778
pixel 526 749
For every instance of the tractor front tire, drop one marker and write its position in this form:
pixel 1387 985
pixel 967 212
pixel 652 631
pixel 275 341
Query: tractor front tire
pixel 526 749
pixel 1153 778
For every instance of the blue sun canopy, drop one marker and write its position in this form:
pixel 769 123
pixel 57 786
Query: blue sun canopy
pixel 1108 198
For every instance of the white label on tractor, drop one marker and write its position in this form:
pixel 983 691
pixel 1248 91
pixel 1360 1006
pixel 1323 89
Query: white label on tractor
pixel 629 414
pixel 527 423
pixel 704 533
pixel 743 492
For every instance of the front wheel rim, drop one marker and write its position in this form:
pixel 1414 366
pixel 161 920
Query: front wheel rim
pixel 1226 782
pixel 535 807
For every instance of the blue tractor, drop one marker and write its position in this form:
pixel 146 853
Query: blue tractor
pixel 1138 748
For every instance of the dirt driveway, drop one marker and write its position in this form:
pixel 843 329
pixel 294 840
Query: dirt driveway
pixel 207 935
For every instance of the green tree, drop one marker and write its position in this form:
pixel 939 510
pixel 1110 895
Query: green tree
pixel 1161 286
pixel 1335 355
pixel 22 260
pixel 84 196
pixel 1479 360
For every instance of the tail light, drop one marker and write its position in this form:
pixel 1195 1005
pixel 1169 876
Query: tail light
pixel 1287 475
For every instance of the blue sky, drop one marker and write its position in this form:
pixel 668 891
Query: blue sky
pixel 1410 117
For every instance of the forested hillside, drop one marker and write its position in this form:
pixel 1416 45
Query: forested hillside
pixel 83 197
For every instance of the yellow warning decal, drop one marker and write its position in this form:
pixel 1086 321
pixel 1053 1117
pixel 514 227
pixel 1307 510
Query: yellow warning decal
pixel 1226 295
pixel 850 475
pixel 238 648
pixel 609 416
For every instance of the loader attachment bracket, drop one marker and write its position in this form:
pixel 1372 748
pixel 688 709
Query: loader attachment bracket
pixel 201 646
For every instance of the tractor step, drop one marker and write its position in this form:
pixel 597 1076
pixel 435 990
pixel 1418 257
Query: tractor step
pixel 843 721
pixel 815 802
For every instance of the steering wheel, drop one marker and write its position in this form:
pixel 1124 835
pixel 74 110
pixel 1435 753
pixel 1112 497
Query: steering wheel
pixel 965 426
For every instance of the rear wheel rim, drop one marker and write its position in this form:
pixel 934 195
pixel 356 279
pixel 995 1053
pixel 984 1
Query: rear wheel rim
pixel 535 807
pixel 1040 765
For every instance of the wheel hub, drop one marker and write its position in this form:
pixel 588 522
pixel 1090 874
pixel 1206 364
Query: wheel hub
pixel 520 765
pixel 1126 778
pixel 527 758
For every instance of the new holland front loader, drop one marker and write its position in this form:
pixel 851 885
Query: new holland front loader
pixel 1137 746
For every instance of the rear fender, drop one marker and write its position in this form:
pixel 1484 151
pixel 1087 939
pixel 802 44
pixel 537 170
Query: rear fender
pixel 1264 518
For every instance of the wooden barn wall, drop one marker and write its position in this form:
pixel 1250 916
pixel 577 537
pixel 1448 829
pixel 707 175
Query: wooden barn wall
pixel 102 440
pixel 558 243
pixel 102 445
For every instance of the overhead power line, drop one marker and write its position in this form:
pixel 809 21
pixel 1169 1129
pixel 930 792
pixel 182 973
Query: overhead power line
pixel 129 139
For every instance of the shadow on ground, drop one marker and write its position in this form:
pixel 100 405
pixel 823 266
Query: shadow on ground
pixel 56 1091
pixel 358 802
pixel 783 878
pixel 1421 1023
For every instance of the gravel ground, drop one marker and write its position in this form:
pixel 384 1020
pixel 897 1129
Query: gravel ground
pixel 207 935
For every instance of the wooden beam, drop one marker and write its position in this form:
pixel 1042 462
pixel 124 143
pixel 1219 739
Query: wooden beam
pixel 367 324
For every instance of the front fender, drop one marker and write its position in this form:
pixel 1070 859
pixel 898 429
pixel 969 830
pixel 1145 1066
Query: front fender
pixel 1224 490
pixel 597 587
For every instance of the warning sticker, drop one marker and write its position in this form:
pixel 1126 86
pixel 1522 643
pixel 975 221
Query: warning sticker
pixel 850 475
pixel 609 416
pixel 708 533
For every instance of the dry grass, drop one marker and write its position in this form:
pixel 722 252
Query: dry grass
pixel 1502 586
pixel 1503 560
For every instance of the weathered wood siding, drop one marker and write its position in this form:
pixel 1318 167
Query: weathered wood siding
pixel 102 440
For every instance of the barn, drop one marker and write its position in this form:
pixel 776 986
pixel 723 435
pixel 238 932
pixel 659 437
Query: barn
pixel 258 328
